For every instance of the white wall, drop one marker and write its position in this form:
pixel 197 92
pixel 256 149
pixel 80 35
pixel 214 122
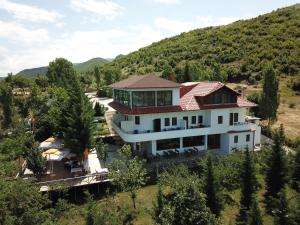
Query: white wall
pixel 242 144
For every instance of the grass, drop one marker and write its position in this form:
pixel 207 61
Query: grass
pixel 146 197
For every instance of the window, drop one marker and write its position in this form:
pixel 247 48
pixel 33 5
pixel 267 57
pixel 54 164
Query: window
pixel 174 121
pixel 164 98
pixel 236 139
pixel 248 137
pixel 167 122
pixel 168 144
pixel 220 119
pixel 143 98
pixel 193 141
pixel 137 120
pixel 233 118
pixel 200 119
pixel 194 119
pixel 122 97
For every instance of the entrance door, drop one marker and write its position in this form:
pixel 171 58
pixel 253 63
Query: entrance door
pixel 186 121
pixel 156 125
pixel 213 141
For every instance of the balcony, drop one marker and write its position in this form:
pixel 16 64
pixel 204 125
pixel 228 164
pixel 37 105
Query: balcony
pixel 128 134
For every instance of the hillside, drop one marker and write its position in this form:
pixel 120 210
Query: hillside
pixel 79 67
pixel 239 48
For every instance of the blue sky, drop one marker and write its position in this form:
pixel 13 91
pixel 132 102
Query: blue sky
pixel 34 32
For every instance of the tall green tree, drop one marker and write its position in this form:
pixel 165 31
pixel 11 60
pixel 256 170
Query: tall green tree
pixel 6 98
pixel 282 211
pixel 211 188
pixel 248 186
pixel 102 150
pixel 159 205
pixel 78 120
pixel 167 72
pixel 186 73
pixel 275 168
pixel 35 161
pixel 97 76
pixel 270 98
pixel 254 216
pixel 296 171
pixel 61 73
pixel 129 173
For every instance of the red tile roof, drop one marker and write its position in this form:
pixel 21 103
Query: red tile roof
pixel 145 81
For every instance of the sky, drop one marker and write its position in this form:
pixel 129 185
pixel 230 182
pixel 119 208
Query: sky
pixel 35 32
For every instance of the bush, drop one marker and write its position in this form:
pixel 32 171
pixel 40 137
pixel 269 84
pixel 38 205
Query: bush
pixel 99 109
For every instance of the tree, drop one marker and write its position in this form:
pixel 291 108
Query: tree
pixel 184 203
pixel 22 203
pixel 167 72
pixel 275 168
pixel 97 76
pixel 35 161
pixel 213 201
pixel 159 207
pixel 99 110
pixel 6 98
pixel 270 95
pixel 248 183
pixel 186 73
pixel 295 214
pixel 41 81
pixel 102 150
pixel 218 74
pixel 254 216
pixel 282 212
pixel 128 173
pixel 61 73
pixel 78 121
pixel 296 171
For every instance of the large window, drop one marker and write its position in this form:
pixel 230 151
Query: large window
pixel 164 98
pixel 168 144
pixel 143 98
pixel 233 118
pixel 122 96
pixel 193 141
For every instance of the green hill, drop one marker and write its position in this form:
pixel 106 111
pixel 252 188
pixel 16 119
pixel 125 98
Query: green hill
pixel 239 49
pixel 79 67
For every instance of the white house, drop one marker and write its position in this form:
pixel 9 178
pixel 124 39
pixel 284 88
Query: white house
pixel 157 115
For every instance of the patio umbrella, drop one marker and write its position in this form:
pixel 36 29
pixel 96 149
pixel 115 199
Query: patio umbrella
pixel 54 154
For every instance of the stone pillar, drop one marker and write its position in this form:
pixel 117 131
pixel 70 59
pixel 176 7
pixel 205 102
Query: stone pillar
pixel 181 144
pixel 205 142
pixel 153 148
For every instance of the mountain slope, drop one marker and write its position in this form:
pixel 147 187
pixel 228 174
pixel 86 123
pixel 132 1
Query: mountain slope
pixel 79 67
pixel 239 48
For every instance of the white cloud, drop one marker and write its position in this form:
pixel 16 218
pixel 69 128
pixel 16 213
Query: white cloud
pixel 79 46
pixel 13 31
pixel 102 8
pixel 28 12
pixel 176 26
pixel 168 1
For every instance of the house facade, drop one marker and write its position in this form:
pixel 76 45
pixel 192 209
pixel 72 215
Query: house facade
pixel 157 115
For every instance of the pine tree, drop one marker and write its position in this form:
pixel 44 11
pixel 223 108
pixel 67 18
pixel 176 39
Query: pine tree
pixel 282 212
pixel 248 183
pixel 78 121
pixel 296 171
pixel 276 169
pixel 270 95
pixel 254 216
pixel 211 188
pixel 99 111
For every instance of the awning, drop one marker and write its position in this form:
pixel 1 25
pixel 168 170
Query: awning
pixel 54 154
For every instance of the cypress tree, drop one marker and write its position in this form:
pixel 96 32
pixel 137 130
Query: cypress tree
pixel 270 95
pixel 186 73
pixel 211 188
pixel 282 211
pixel 158 207
pixel 296 171
pixel 254 216
pixel 167 72
pixel 248 183
pixel 97 77
pixel 276 169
